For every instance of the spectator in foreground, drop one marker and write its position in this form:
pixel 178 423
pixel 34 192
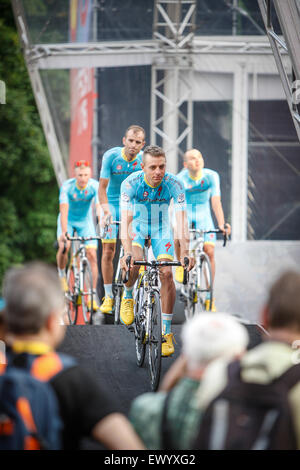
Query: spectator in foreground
pixel 169 418
pixel 34 305
pixel 270 367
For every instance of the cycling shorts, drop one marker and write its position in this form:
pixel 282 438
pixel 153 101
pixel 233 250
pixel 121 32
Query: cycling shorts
pixel 161 241
pixel 84 228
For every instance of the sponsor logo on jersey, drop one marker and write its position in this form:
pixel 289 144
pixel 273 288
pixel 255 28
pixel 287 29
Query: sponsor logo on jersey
pixel 125 197
pixel 168 245
pixel 181 198
pixel 146 194
pixel 119 167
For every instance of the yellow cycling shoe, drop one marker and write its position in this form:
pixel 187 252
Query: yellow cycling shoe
pixel 64 284
pixel 213 307
pixel 167 347
pixel 126 311
pixel 95 304
pixel 107 305
pixel 179 271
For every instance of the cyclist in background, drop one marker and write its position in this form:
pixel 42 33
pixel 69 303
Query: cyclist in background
pixel 145 201
pixel 117 164
pixel 76 199
pixel 202 191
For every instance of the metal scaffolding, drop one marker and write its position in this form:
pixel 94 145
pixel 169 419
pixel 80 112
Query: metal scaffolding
pixel 288 13
pixel 171 94
pixel 180 63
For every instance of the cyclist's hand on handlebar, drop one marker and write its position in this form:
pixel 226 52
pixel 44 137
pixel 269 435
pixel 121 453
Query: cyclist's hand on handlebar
pixel 105 219
pixel 124 261
pixel 226 229
pixel 63 237
pixel 188 262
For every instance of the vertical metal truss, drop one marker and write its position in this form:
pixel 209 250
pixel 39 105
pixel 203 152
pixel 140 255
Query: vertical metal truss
pixel 172 73
pixel 288 13
pixel 40 97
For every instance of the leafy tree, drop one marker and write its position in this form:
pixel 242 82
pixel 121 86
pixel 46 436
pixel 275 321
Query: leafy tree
pixel 28 187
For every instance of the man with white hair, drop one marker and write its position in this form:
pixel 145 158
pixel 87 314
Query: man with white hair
pixel 170 418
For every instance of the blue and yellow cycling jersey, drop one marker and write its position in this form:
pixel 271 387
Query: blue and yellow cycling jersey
pixel 150 205
pixel 116 168
pixel 150 208
pixel 198 193
pixel 80 216
pixel 79 200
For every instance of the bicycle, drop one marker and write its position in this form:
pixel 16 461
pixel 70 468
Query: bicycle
pixel 118 280
pixel 147 326
pixel 80 281
pixel 194 293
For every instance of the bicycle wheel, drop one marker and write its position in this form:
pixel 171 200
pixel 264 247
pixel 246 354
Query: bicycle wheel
pixel 139 325
pixel 206 284
pixel 87 296
pixel 118 292
pixel 71 295
pixel 155 340
pixel 190 300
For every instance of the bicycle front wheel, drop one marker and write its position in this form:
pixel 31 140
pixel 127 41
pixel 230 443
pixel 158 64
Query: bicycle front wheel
pixel 190 300
pixel 72 297
pixel 155 340
pixel 205 286
pixel 139 326
pixel 118 292
pixel 87 296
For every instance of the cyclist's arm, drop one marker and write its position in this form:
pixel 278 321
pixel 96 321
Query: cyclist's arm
pixel 102 195
pixel 216 205
pixel 184 238
pixel 64 211
pixel 125 234
pixel 98 210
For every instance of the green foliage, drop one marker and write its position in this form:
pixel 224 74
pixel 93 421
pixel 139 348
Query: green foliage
pixel 28 187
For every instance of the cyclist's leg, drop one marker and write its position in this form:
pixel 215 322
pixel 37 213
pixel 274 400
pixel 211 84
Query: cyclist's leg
pixel 209 248
pixel 127 304
pixel 108 253
pixel 87 229
pixel 62 254
pixel 163 250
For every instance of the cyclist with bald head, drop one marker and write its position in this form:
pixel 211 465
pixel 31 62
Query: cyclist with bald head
pixel 202 191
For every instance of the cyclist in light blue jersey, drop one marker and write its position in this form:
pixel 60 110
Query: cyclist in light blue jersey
pixel 145 201
pixel 202 191
pixel 117 164
pixel 75 203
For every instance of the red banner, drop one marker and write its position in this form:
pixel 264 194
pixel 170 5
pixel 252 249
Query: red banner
pixel 81 132
pixel 81 88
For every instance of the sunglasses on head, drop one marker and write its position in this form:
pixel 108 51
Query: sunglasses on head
pixel 82 163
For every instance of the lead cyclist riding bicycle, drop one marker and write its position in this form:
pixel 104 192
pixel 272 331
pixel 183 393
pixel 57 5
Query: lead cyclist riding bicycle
pixel 202 191
pixel 145 201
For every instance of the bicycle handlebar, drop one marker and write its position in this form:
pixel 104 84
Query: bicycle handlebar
pixel 82 239
pixel 104 229
pixel 155 263
pixel 202 232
